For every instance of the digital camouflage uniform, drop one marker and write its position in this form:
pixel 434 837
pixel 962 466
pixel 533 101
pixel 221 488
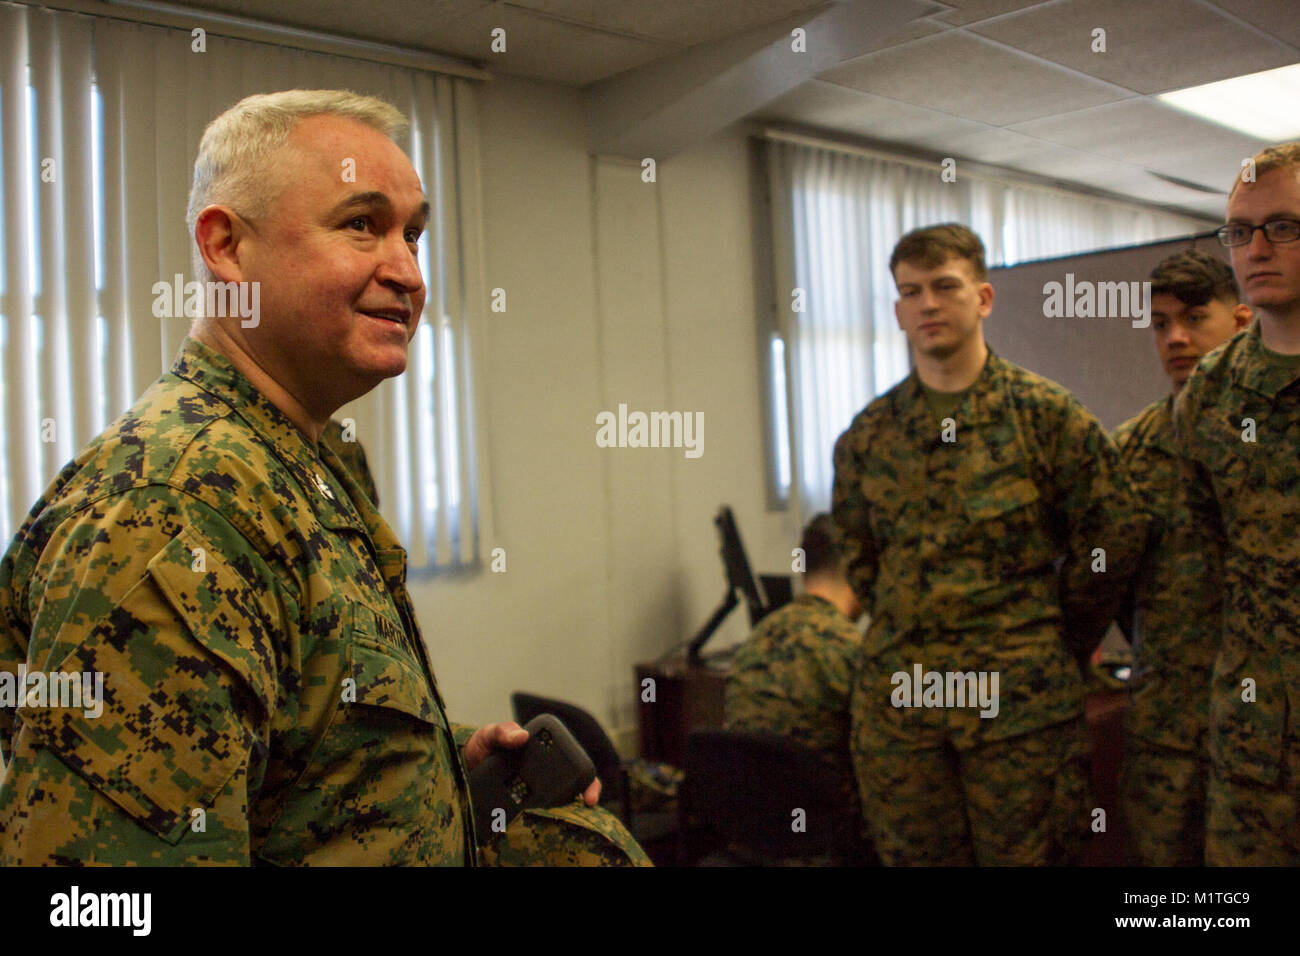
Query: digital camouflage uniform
pixel 1244 496
pixel 953 548
pixel 793 677
pixel 352 455
pixel 573 835
pixel 261 659
pixel 1165 762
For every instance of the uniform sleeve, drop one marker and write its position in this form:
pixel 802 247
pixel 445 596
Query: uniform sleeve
pixel 570 835
pixel 1204 516
pixel 851 512
pixel 841 655
pixel 13 646
pixel 460 735
pixel 1105 529
pixel 1126 610
pixel 166 612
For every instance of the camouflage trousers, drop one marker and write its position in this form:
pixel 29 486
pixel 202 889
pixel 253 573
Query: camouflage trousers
pixel 1163 794
pixel 1015 802
pixel 1249 824
pixel 573 835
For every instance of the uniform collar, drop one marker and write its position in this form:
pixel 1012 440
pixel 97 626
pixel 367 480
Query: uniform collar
pixel 1162 426
pixel 1252 371
pixel 816 600
pixel 211 371
pixel 982 402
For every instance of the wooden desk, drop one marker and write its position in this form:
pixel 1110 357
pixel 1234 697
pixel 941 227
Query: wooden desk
pixel 686 698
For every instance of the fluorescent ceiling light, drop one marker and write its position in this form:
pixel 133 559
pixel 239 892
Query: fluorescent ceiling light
pixel 1262 105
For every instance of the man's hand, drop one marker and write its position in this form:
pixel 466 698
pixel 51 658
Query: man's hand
pixel 508 736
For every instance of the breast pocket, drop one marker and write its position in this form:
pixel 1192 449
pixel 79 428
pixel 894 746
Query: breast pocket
pixel 886 499
pixel 381 679
pixel 381 773
pixel 988 501
pixel 994 478
pixel 1004 531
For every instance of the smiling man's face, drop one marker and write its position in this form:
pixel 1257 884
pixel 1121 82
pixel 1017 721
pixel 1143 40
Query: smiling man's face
pixel 1268 273
pixel 341 290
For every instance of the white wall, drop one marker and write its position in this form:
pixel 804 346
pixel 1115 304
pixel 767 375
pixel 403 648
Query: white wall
pixel 617 291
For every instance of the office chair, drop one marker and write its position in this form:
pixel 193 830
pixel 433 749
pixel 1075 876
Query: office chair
pixel 740 794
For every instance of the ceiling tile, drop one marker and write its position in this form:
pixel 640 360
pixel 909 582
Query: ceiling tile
pixel 969 11
pixel 831 106
pixel 1213 170
pixel 1276 17
pixel 412 23
pixel 1140 131
pixel 1001 147
pixel 540 47
pixel 966 77
pixel 683 24
pixel 1085 168
pixel 1143 187
pixel 1151 47
pixel 923 27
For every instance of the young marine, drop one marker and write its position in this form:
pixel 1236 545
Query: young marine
pixel 1237 430
pixel 990 530
pixel 1195 308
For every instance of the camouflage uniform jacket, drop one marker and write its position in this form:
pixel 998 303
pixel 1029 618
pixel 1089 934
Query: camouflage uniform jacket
pixel 953 545
pixel 353 456
pixel 793 676
pixel 1244 495
pixel 1173 646
pixel 570 835
pixel 267 694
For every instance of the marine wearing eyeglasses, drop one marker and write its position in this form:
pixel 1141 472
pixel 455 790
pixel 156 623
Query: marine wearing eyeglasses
pixel 1237 426
pixel 1236 234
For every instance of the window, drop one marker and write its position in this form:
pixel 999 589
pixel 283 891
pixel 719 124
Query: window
pixel 836 216
pixel 96 154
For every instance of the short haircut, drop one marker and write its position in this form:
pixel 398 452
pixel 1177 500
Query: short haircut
pixel 1282 156
pixel 821 547
pixel 932 246
pixel 233 167
pixel 1194 278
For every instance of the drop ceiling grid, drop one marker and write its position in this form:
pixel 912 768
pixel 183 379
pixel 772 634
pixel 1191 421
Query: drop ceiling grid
pixel 1143 133
pixel 974 78
pixel 682 25
pixel 1151 47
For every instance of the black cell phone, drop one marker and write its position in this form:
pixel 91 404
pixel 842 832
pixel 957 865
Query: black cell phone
pixel 548 771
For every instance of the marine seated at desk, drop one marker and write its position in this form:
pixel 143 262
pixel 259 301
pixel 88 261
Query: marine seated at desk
pixel 793 675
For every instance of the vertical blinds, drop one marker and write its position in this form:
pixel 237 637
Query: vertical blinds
pixel 100 121
pixel 836 216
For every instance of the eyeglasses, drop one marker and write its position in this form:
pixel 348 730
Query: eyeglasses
pixel 1275 230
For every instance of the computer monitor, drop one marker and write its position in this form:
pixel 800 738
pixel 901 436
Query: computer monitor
pixel 740 577
pixel 740 580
